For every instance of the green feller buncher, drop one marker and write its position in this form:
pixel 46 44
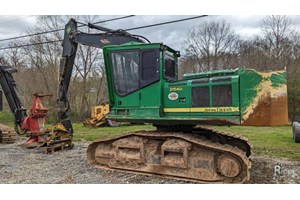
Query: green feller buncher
pixel 143 87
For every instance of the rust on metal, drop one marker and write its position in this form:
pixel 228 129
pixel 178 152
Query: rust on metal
pixel 269 105
pixel 269 112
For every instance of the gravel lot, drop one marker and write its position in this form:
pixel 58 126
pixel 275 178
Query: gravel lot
pixel 20 165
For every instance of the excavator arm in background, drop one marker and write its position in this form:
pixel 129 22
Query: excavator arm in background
pixel 32 123
pixel 61 136
pixel 73 37
pixel 8 85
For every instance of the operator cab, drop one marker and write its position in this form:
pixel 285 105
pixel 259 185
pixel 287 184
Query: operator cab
pixel 136 73
pixel 134 66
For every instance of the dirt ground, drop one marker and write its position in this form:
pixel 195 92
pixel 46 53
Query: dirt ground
pixel 20 165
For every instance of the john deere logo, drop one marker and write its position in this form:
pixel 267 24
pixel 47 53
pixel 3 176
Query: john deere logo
pixel 173 96
pixel 105 41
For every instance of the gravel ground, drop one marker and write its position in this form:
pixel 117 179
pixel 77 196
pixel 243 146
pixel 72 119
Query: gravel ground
pixel 20 165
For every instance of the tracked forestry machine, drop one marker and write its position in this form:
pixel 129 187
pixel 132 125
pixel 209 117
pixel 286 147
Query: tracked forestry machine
pixel 143 86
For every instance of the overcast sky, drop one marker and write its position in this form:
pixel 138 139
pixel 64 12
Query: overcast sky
pixel 171 34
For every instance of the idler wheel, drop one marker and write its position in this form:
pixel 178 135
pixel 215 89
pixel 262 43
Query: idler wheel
pixel 228 166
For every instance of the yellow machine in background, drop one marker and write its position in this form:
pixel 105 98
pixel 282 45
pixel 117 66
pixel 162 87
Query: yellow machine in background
pixel 98 117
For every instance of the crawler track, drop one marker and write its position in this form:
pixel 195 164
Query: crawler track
pixel 7 135
pixel 202 155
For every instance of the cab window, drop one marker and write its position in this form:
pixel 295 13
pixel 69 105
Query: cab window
pixel 125 67
pixel 170 71
pixel 134 69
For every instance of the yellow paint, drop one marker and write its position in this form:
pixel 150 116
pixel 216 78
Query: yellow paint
pixel 173 89
pixel 59 127
pixel 177 110
pixel 204 109
pixel 269 74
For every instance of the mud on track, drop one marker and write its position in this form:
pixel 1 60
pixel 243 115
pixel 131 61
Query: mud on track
pixel 20 165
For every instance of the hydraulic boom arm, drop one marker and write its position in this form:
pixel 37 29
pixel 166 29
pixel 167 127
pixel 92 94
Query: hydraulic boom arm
pixel 9 88
pixel 34 122
pixel 73 37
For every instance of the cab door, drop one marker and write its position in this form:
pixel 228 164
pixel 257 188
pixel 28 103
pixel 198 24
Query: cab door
pixel 126 80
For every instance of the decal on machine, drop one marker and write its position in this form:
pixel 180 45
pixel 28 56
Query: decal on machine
pixel 105 41
pixel 173 96
pixel 204 110
pixel 173 89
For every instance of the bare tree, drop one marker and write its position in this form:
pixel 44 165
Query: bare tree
pixel 293 72
pixel 276 39
pixel 188 64
pixel 87 63
pixel 210 44
pixel 278 48
pixel 40 65
pixel 252 54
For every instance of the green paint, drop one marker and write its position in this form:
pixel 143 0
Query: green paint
pixel 278 79
pixel 147 103
pixel 216 73
pixel 249 87
pixel 251 83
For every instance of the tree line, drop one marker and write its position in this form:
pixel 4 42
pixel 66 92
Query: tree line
pixel 38 68
pixel 212 45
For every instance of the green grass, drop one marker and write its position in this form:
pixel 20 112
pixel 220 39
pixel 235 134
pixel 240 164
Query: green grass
pixel 6 117
pixel 90 134
pixel 274 141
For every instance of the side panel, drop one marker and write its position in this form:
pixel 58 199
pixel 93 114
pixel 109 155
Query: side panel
pixel 204 101
pixel 263 98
